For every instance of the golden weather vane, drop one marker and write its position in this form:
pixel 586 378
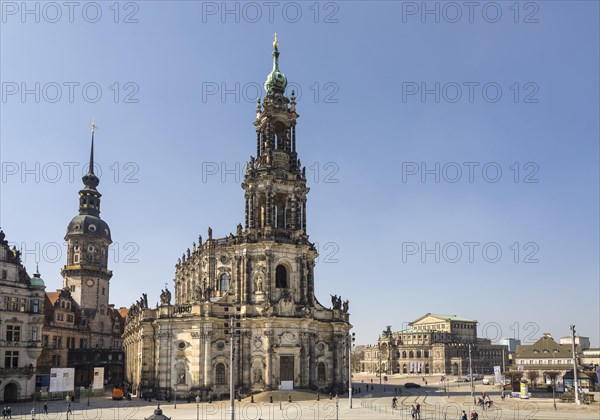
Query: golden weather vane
pixel 275 43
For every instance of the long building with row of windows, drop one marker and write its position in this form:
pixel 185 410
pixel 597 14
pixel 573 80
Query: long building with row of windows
pixel 434 344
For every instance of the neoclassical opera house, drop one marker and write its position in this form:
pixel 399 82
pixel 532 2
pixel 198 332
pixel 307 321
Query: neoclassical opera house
pixel 262 277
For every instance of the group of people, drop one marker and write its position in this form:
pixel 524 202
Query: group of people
pixel 474 415
pixel 7 412
pixel 415 411
pixel 484 401
pixel 45 408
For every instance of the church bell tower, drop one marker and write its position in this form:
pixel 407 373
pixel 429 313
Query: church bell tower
pixel 275 183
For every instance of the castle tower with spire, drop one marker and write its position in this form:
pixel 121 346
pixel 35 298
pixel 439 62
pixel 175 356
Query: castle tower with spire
pixel 262 277
pixel 86 273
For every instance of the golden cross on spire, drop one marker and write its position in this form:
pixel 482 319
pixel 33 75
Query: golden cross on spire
pixel 93 126
pixel 275 43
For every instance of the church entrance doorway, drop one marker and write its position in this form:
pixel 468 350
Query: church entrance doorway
pixel 286 368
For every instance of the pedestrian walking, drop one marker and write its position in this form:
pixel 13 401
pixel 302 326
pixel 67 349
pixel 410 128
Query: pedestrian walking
pixel 9 412
pixel 413 412
pixel 69 411
pixel 33 413
pixel 4 412
pixel 418 407
pixel 464 416
pixel 45 409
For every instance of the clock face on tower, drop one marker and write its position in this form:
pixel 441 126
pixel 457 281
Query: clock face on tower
pixel 89 282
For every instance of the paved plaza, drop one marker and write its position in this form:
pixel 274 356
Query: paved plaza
pixel 375 404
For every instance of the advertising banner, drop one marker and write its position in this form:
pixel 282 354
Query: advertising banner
pixel 62 379
pixel 498 374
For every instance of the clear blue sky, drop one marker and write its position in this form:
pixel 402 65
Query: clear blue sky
pixel 361 68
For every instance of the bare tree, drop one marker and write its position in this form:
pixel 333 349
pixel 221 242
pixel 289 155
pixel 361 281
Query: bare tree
pixel 532 375
pixel 514 376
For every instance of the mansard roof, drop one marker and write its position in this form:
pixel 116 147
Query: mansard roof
pixel 545 347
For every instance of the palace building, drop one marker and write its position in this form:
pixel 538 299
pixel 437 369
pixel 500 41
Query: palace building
pixel 257 284
pixel 81 329
pixel 21 320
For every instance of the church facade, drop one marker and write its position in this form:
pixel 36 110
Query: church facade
pixel 257 285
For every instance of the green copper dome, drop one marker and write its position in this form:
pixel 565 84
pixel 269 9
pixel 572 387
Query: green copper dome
pixel 276 81
pixel 36 280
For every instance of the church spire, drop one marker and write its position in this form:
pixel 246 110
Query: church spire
pixel 276 81
pixel 89 197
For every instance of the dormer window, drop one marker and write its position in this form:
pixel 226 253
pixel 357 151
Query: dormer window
pixel 92 228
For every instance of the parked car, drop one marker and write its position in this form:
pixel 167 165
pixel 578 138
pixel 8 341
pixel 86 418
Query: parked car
pixel 411 385
pixel 486 381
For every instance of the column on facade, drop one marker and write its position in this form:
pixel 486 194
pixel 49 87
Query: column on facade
pixel 300 265
pixel 310 291
pixel 304 214
pixel 258 143
pixel 294 213
pixel 269 208
pixel 247 211
pixel 238 280
pixel 268 358
pixel 246 269
pixel 269 278
pixel 311 359
pixel 207 359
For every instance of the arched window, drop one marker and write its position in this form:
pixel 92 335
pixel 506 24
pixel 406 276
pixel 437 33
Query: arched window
pixel 418 354
pixel 321 372
pixel 404 354
pixel 411 355
pixel 426 353
pixel 281 281
pixel 220 374
pixel 224 282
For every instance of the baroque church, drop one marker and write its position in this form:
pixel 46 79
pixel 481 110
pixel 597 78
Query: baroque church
pixel 257 285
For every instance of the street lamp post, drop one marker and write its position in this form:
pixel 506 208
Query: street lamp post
pixel 350 344
pixel 574 365
pixel 232 334
pixel 198 407
pixel 337 407
pixel 379 355
pixel 554 392
pixel 231 385
pixel 471 375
